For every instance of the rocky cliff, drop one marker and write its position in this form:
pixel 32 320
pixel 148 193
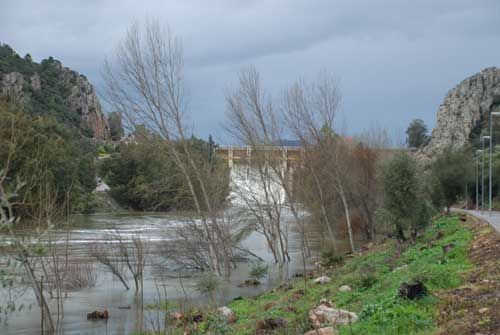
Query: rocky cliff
pixel 465 111
pixel 50 88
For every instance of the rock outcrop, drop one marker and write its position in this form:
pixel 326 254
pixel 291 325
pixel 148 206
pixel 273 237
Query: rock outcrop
pixel 52 89
pixel 464 108
pixel 83 101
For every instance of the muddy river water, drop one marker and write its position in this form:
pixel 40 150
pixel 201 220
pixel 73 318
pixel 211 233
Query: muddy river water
pixel 155 229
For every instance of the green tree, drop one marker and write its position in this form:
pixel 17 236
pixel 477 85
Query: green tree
pixel 115 125
pixel 417 134
pixel 143 176
pixel 452 170
pixel 54 162
pixel 404 203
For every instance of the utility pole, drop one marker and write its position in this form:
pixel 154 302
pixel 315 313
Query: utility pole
pixel 482 175
pixel 492 114
pixel 476 161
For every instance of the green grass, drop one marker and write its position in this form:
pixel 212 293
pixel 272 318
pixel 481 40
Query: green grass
pixel 375 284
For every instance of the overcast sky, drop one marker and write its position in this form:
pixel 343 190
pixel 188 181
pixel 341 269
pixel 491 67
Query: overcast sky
pixel 394 59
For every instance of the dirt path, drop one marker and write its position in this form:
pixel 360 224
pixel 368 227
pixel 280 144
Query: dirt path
pixel 474 308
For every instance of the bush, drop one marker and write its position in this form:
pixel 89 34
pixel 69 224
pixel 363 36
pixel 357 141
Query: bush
pixel 259 271
pixel 330 258
pixel 208 285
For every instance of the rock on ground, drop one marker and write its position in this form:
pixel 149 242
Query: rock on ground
pixel 322 280
pixel 227 313
pixel 345 288
pixel 325 314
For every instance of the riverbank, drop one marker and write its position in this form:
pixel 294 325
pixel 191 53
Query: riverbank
pixel 447 259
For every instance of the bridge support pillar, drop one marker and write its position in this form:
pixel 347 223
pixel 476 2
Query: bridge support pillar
pixel 230 157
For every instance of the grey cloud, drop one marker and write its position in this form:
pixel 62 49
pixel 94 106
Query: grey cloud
pixel 395 59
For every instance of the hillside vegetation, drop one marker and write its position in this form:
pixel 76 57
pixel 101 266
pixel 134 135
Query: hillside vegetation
pixel 375 277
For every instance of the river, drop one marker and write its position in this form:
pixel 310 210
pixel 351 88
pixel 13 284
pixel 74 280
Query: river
pixel 155 229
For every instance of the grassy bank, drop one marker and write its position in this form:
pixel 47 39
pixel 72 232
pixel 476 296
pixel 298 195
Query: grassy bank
pixel 374 277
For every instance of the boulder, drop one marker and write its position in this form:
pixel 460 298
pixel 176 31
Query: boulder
pixel 345 288
pixel 323 331
pixel 228 314
pixel 322 280
pixel 324 314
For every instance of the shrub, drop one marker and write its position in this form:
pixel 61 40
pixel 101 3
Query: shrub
pixel 330 258
pixel 259 271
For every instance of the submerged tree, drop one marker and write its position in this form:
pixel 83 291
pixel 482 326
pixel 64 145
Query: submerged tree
pixel 145 83
pixel 309 111
pixel 264 187
pixel 9 194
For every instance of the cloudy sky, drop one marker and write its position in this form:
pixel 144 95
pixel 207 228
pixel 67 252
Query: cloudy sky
pixel 394 59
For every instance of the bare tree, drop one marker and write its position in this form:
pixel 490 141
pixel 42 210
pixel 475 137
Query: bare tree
pixel 145 83
pixel 310 111
pixel 132 254
pixel 265 189
pixel 108 255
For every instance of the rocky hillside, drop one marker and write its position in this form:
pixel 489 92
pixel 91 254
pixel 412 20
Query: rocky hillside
pixel 465 111
pixel 50 88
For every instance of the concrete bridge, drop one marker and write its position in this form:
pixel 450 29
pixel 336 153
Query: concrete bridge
pixel 289 156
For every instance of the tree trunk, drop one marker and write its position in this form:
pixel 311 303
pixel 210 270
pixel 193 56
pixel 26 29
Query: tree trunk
pixel 347 216
pixel 324 213
pixel 400 232
pixel 44 307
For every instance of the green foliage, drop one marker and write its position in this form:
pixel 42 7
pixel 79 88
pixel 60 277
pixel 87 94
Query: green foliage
pixel 330 258
pixel 417 134
pixel 208 285
pixel 115 125
pixel 10 61
pixel 451 171
pixel 105 149
pixel 404 204
pixel 216 325
pixel 259 271
pixel 54 162
pixel 144 176
pixel 51 97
